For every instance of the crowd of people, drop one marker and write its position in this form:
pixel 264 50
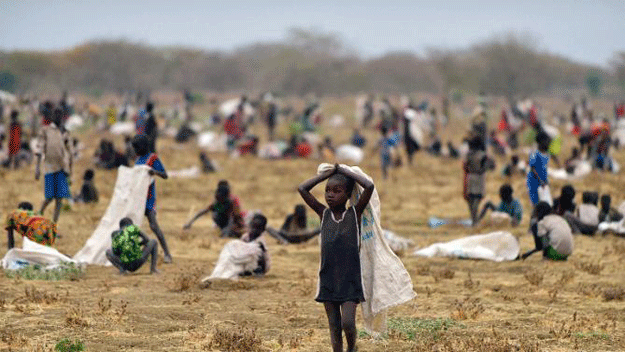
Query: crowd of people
pixel 417 127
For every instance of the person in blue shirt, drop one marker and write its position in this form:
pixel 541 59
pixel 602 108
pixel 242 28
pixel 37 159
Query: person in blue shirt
pixel 537 175
pixel 508 205
pixel 141 145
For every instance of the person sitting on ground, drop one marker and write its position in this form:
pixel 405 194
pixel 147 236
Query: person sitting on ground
pixel 131 248
pixel 226 211
pixel 552 234
pixel 512 167
pixel 571 163
pixel 326 149
pixel 258 226
pixel 358 139
pixel 607 213
pixel 508 205
pixel 585 219
pixel 453 152
pixel 294 229
pixel 566 202
pixel 245 257
pixel 207 165
pixel 88 192
pixel 36 228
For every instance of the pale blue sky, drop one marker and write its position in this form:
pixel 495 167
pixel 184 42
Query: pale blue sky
pixel 583 30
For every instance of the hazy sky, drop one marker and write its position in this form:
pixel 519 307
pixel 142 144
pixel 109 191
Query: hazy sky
pixel 584 30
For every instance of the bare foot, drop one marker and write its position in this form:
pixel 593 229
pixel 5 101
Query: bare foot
pixel 155 271
pixel 167 259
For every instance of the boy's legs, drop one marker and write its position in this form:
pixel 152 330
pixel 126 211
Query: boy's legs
pixel 150 249
pixel 57 209
pixel 333 311
pixel 115 261
pixel 348 323
pixel 488 206
pixel 10 238
pixel 474 208
pixel 151 215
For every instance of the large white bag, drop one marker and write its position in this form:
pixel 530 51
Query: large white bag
pixel 34 253
pixel 496 246
pixel 129 198
pixel 235 258
pixel 385 281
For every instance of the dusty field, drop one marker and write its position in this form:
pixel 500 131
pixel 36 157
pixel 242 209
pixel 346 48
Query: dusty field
pixel 482 306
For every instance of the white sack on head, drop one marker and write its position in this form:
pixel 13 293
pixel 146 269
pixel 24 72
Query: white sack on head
pixel 385 281
pixel 128 200
pixel 496 246
pixel 34 254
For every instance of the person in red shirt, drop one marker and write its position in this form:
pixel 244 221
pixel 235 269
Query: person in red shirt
pixel 15 137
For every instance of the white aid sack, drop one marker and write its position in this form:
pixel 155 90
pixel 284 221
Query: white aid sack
pixel 212 141
pixel 122 128
pixel 496 246
pixel 35 254
pixel 349 153
pixel 396 242
pixel 235 258
pixel 190 172
pixel 128 200
pixel 581 170
pixel 385 281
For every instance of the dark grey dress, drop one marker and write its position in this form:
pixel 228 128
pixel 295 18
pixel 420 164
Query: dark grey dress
pixel 340 279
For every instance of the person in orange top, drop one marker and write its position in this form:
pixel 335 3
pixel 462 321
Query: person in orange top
pixel 36 228
pixel 15 136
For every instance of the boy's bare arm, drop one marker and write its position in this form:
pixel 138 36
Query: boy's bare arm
pixel 364 182
pixel 197 216
pixel 161 174
pixel 306 186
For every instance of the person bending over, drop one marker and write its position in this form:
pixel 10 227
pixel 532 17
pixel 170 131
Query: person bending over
pixel 131 248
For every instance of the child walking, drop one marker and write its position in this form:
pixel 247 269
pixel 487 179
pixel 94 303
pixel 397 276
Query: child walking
pixel 141 145
pixel 340 282
pixel 53 147
pixel 537 176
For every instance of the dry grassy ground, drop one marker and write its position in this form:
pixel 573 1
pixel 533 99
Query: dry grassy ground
pixel 461 305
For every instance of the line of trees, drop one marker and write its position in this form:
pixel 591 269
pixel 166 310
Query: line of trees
pixel 304 62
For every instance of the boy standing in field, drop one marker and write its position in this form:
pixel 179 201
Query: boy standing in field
pixel 53 148
pixel 141 145
pixel 15 136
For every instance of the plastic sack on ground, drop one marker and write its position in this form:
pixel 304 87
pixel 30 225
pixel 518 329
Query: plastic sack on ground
pixel 123 128
pixel 212 141
pixel 385 281
pixel 128 200
pixel 496 246
pixel 581 170
pixel 235 258
pixel 34 254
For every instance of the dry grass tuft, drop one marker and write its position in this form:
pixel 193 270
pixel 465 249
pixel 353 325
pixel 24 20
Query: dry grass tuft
pixel 590 267
pixel 469 308
pixel 75 317
pixel 443 274
pixel 234 339
pixel 469 283
pixel 614 294
pixel 534 276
